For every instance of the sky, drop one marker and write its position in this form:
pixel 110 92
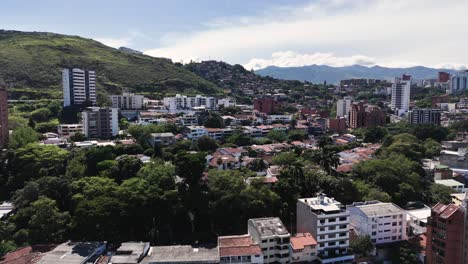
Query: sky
pixel 260 33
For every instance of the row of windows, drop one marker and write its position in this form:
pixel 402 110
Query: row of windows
pixel 333 243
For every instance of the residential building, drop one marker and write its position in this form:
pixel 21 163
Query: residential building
pixel 445 235
pixel 328 222
pixel 73 253
pixel 454 159
pixel 362 115
pixel 79 87
pixel 189 120
pixel 130 253
pixel 443 77
pixel 195 132
pixel 456 186
pixel 185 254
pixel 272 237
pixel 401 90
pixel 336 125
pixel 424 116
pixel 383 222
pixel 343 106
pixel 239 249
pixel 303 248
pixel 163 139
pixel 439 99
pixel 459 82
pixel 417 220
pixel 4 132
pixel 100 122
pixel 226 102
pixel 267 105
pixel 442 172
pixel 67 130
pixel 127 101
pixel 183 102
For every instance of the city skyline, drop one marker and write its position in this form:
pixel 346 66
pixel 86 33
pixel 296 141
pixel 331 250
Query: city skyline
pixel 263 33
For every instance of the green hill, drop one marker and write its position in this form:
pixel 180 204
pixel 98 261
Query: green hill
pixel 31 63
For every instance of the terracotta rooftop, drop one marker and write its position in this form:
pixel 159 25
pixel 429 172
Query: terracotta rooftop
pixel 301 240
pixel 445 211
pixel 242 245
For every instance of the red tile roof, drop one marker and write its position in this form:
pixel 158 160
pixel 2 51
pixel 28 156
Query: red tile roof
pixel 238 246
pixel 301 240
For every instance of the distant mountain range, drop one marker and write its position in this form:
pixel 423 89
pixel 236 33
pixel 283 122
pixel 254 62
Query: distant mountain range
pixel 320 73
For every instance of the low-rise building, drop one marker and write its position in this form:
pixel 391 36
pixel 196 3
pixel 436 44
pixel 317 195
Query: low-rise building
pixel 163 139
pixel 303 248
pixel 183 254
pixel 455 185
pixel 127 101
pixel 272 237
pixel 328 222
pixel 73 253
pixel 382 222
pixel 67 130
pixel 239 249
pixel 195 132
pixel 130 253
pixel 417 220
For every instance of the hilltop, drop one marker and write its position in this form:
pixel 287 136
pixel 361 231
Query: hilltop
pixel 321 73
pixel 33 60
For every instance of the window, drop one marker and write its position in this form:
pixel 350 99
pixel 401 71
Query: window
pixel 342 242
pixel 332 228
pixel 393 237
pixel 322 229
pixel 394 223
pixel 331 243
pixel 271 240
pixel 322 237
pixel 343 218
pixel 343 226
pixel 394 217
pixel 322 245
pixel 374 233
pixel 264 241
pixel 322 221
pixel 342 234
pixel 331 220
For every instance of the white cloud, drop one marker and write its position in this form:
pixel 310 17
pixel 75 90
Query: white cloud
pixel 115 42
pixel 395 32
pixel 293 59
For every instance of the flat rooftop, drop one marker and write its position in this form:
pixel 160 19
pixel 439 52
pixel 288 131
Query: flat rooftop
pixel 378 209
pixel 322 203
pixel 71 253
pixel 269 226
pixel 449 182
pixel 182 254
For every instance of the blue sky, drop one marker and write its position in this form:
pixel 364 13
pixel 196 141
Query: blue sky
pixel 258 33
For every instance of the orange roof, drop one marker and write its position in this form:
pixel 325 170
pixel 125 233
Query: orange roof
pixel 238 246
pixel 301 240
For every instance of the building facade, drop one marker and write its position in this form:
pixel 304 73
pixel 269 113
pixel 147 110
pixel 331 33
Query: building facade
pixel 127 101
pixel 362 115
pixel 445 235
pixel 459 82
pixel 303 248
pixel 272 237
pixel 79 87
pixel 4 131
pixel 401 90
pixel 239 249
pixel 67 130
pixel 266 105
pixel 182 102
pixel 328 222
pixel 343 106
pixel 100 122
pixel 382 222
pixel 424 116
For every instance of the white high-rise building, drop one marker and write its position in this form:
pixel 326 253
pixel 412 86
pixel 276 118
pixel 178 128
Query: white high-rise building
pixel 459 82
pixel 100 122
pixel 328 221
pixel 401 91
pixel 383 222
pixel 343 106
pixel 79 86
pixel 127 101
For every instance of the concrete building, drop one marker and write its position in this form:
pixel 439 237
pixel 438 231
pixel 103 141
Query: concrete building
pixel 446 239
pixel 163 139
pixel 424 116
pixel 439 99
pixel 401 90
pixel 336 125
pixel 417 220
pixel 127 101
pixel 100 122
pixel 272 237
pixel 195 132
pixel 454 159
pixel 79 87
pixel 73 253
pixel 189 120
pixel 343 106
pixel 328 222
pixel 182 102
pixel 67 130
pixel 239 249
pixel 303 248
pixel 4 132
pixel 383 222
pixel 456 186
pixel 130 253
pixel 459 82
